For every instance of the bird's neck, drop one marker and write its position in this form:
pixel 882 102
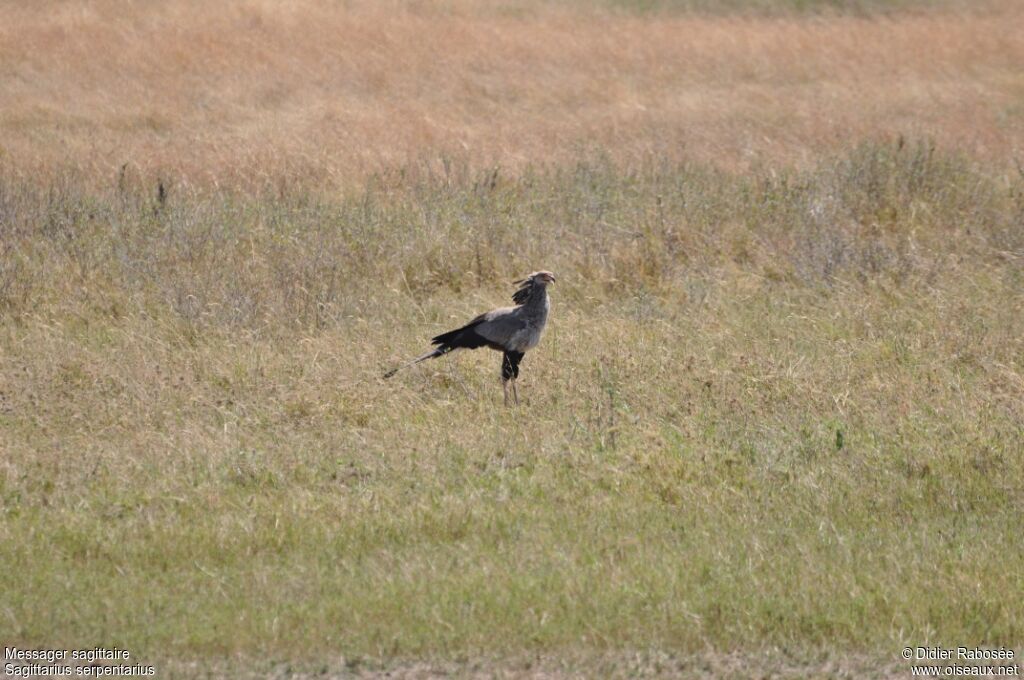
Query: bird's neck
pixel 537 302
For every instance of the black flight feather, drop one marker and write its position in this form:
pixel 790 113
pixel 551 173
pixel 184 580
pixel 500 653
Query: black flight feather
pixel 460 338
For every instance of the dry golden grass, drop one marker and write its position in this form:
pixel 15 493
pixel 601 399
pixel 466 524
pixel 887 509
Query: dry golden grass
pixel 328 92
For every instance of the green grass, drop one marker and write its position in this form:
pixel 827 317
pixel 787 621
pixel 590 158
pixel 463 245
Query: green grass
pixel 774 411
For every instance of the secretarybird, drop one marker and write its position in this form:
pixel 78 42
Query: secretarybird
pixel 509 330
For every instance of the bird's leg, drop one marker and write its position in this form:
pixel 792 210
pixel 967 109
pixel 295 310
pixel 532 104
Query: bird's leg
pixel 504 386
pixel 515 391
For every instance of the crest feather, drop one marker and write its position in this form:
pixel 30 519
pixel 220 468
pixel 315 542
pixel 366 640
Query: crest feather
pixel 523 294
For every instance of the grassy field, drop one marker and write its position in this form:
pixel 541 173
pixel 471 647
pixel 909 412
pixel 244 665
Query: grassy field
pixel 246 93
pixel 775 425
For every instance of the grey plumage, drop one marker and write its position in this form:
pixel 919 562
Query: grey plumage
pixel 510 330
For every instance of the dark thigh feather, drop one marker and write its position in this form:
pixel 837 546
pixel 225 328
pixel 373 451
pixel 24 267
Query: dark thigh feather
pixel 510 365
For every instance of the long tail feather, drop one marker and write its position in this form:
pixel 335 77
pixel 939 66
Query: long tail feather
pixel 460 338
pixel 423 357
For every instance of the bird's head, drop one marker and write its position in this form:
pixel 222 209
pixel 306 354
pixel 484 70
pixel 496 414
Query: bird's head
pixel 541 277
pixel 536 281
